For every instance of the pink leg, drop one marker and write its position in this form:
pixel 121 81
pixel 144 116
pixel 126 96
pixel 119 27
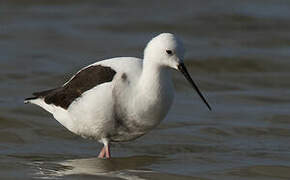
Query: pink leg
pixel 102 153
pixel 107 150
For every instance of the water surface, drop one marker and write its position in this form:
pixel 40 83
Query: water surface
pixel 237 52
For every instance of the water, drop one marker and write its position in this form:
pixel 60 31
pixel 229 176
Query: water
pixel 237 52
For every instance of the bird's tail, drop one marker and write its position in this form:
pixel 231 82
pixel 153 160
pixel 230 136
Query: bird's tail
pixel 38 95
pixel 28 100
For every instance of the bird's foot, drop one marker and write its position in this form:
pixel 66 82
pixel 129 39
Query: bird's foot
pixel 105 152
pixel 102 153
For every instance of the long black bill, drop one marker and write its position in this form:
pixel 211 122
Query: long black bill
pixel 182 68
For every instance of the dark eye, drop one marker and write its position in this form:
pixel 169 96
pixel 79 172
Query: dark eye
pixel 169 52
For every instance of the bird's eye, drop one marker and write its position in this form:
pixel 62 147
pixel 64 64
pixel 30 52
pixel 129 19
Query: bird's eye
pixel 169 52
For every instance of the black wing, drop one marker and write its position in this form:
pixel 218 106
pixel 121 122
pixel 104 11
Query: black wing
pixel 84 80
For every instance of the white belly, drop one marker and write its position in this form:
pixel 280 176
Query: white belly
pixel 91 115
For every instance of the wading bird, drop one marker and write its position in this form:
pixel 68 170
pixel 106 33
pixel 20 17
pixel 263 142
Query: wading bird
pixel 119 99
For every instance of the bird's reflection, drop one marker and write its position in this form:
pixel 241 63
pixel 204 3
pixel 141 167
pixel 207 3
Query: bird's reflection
pixel 125 168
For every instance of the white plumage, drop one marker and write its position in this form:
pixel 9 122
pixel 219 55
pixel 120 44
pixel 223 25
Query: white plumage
pixel 129 98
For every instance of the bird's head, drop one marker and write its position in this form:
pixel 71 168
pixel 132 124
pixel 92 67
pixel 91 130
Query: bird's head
pixel 166 50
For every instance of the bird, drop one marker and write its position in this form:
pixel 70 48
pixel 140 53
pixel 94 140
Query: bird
pixel 119 99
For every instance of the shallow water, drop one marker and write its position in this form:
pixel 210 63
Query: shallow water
pixel 237 52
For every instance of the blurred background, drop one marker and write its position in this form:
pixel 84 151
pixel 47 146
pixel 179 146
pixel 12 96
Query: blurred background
pixel 238 52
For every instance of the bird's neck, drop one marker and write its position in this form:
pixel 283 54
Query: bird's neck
pixel 154 78
pixel 154 92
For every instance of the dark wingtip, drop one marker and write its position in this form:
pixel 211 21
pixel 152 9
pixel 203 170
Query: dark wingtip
pixel 28 99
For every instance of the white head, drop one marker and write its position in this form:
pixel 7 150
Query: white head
pixel 166 50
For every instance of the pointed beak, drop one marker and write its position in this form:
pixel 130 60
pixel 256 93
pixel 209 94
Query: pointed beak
pixel 182 68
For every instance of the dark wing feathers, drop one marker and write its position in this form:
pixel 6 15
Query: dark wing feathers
pixel 85 80
pixel 43 93
pixel 40 94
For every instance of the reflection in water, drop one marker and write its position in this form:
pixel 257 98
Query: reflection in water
pixel 238 53
pixel 125 168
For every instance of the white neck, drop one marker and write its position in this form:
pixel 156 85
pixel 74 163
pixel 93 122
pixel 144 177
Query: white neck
pixel 153 78
pixel 154 93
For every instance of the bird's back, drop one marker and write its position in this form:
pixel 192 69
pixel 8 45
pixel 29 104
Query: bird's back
pixel 85 103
